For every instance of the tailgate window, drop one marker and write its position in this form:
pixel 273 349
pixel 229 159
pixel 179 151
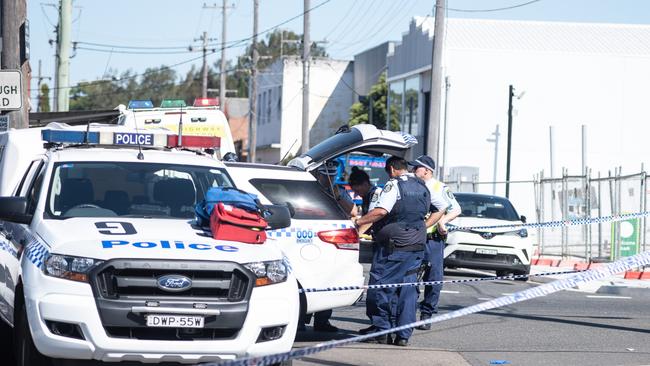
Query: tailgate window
pixel 307 198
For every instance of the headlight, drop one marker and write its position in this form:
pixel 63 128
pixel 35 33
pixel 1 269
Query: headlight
pixel 70 268
pixel 268 272
pixel 523 233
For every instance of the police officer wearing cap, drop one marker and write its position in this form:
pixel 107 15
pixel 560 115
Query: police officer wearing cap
pixel 444 209
pixel 401 235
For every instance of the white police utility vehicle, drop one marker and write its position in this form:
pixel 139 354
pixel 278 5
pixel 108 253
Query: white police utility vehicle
pixel 100 257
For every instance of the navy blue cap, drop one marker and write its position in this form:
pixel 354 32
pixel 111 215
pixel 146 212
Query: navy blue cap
pixel 423 161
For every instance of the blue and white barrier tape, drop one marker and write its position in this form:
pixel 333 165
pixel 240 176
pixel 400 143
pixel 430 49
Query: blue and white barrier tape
pixel 429 283
pixel 559 223
pixel 608 270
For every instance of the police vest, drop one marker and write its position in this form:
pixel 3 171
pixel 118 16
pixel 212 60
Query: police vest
pixel 404 224
pixel 366 200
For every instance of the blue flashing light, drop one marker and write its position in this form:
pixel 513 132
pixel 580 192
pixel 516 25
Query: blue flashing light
pixel 140 104
pixel 70 137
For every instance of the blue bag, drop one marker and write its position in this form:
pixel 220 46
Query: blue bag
pixel 229 196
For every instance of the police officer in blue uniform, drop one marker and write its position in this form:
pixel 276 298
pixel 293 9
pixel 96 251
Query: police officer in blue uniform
pixel 360 183
pixel 401 235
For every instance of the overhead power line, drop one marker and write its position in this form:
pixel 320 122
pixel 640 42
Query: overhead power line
pixel 135 52
pixel 132 47
pixel 233 44
pixel 494 9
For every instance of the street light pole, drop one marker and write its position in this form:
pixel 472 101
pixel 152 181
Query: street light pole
pixel 511 93
pixel 496 135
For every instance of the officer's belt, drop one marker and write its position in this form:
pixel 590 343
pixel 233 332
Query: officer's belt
pixel 409 248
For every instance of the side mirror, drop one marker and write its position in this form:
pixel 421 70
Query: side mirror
pixel 14 209
pixel 279 217
pixel 292 210
pixel 523 219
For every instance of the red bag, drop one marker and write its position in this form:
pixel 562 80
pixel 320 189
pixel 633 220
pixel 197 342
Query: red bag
pixel 231 223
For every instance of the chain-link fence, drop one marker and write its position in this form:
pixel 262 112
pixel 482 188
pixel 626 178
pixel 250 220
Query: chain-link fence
pixel 571 197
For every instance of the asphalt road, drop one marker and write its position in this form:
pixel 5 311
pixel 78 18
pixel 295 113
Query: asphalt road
pixel 566 328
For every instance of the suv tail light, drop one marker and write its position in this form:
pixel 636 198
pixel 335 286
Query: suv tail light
pixel 343 238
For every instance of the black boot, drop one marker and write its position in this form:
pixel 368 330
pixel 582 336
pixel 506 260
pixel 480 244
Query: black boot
pixel 424 326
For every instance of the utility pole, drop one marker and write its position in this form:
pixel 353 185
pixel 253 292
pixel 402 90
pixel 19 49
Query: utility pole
pixel 204 83
pixel 433 138
pixel 252 140
pixel 39 79
pixel 496 135
pixel 63 70
pixel 222 73
pixel 511 93
pixel 443 168
pixel 12 41
pixel 306 48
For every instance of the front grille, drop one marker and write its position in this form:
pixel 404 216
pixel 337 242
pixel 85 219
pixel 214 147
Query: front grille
pixel 162 334
pixel 472 256
pixel 134 279
pixel 122 285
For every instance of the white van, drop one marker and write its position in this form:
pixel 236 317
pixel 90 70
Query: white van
pixel 203 118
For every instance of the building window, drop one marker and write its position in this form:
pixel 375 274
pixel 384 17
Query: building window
pixel 411 107
pixel 395 103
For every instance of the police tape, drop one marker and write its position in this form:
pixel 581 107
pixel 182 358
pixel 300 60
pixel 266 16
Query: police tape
pixel 608 270
pixel 557 223
pixel 431 283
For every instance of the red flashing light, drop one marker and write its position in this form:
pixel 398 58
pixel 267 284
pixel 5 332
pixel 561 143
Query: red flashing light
pixel 205 142
pixel 343 238
pixel 206 102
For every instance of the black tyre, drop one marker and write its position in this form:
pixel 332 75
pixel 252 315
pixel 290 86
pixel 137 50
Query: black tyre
pixel 26 353
pixel 6 340
pixel 524 279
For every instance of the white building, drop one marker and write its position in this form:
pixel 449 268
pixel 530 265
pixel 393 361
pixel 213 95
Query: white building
pixel 572 74
pixel 279 106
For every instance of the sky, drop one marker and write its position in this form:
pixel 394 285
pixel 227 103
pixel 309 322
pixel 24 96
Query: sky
pixel 347 26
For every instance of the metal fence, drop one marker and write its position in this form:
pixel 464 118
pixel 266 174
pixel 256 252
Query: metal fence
pixel 571 197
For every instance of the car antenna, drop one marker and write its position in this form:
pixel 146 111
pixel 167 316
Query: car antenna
pixel 286 154
pixel 137 132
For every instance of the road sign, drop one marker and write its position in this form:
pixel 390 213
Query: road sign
pixel 4 123
pixel 629 238
pixel 11 96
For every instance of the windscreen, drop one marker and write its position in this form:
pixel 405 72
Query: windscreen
pixel 489 207
pixel 123 189
pixel 307 198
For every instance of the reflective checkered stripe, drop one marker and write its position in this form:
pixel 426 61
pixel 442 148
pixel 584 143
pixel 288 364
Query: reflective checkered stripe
pixel 5 246
pixel 36 252
pixel 292 232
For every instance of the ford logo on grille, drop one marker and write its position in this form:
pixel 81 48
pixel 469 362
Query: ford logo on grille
pixel 174 283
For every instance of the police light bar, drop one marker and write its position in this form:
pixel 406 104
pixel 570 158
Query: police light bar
pixel 128 139
pixel 206 102
pixel 140 104
pixel 173 103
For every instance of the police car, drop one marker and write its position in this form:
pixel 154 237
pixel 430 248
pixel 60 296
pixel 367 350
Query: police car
pixel 322 243
pixel 504 250
pixel 100 258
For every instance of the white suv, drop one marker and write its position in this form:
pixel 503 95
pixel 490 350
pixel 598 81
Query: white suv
pixel 322 244
pixel 101 259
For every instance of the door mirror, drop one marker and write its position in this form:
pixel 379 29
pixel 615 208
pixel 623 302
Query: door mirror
pixel 14 209
pixel 523 219
pixel 292 210
pixel 278 217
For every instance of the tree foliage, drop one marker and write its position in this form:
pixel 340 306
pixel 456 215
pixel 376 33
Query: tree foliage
pixel 378 96
pixel 44 98
pixel 164 83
